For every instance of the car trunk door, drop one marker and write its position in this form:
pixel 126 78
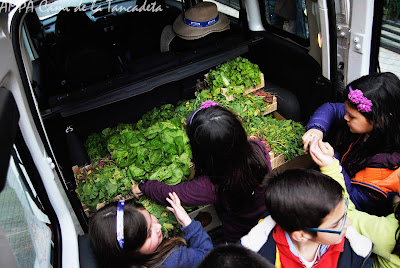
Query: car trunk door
pixel 35 184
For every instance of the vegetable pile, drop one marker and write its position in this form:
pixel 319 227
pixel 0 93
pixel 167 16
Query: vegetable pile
pixel 235 75
pixel 101 182
pixel 160 152
pixel 157 148
pixel 282 136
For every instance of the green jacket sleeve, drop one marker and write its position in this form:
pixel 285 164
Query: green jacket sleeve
pixel 380 230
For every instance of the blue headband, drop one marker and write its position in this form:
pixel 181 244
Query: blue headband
pixel 201 24
pixel 120 223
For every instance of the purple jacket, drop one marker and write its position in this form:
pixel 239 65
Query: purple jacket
pixel 201 191
pixel 365 198
pixel 198 245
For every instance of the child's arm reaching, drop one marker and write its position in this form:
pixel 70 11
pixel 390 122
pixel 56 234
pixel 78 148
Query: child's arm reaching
pixel 322 120
pixel 322 154
pixel 180 213
pixel 308 137
pixel 198 241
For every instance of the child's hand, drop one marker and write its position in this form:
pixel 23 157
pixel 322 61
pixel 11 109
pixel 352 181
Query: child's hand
pixel 180 213
pixel 309 135
pixel 135 190
pixel 321 153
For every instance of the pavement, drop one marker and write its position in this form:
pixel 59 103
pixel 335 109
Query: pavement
pixel 14 224
pixel 389 61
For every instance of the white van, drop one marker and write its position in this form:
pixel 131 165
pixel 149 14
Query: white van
pixel 71 68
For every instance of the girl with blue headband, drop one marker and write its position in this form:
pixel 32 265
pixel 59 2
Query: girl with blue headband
pixel 369 146
pixel 125 234
pixel 229 170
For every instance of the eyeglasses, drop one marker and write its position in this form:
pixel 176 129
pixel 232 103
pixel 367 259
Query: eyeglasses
pixel 333 231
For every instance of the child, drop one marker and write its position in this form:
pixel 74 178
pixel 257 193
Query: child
pixel 233 256
pixel 125 234
pixel 383 231
pixel 369 148
pixel 307 226
pixel 229 170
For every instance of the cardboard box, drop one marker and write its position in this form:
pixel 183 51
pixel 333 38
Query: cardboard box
pixel 302 161
pixel 207 216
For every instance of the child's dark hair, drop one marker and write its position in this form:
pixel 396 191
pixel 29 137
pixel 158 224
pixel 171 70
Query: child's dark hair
pixel 234 256
pixel 383 89
pixel 298 199
pixel 102 232
pixel 396 249
pixel 222 151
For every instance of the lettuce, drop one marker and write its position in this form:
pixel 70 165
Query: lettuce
pixel 235 75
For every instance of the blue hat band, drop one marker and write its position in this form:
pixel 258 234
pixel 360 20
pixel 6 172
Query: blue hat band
pixel 201 24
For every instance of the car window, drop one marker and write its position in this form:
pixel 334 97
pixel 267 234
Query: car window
pixel 25 226
pixel 389 51
pixel 231 3
pixel 227 7
pixel 289 16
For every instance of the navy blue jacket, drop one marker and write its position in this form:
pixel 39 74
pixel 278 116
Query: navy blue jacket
pixel 198 245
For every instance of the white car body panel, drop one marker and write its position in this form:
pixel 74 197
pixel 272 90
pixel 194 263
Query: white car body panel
pixel 10 79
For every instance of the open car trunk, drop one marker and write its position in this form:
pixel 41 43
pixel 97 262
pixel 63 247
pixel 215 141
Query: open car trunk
pixel 97 69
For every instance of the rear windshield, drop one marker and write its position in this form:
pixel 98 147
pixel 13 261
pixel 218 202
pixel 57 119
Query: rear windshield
pixel 289 16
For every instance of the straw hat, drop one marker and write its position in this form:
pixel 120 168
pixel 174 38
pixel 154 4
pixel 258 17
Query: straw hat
pixel 200 20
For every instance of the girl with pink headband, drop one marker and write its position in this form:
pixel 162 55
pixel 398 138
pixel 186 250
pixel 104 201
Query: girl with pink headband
pixel 369 146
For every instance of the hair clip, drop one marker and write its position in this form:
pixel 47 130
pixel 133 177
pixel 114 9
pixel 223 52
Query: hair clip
pixel 204 105
pixel 120 223
pixel 363 103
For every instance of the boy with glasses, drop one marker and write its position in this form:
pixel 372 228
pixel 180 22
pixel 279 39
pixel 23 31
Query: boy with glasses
pixel 307 226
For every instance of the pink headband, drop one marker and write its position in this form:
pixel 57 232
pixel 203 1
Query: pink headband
pixel 204 105
pixel 363 103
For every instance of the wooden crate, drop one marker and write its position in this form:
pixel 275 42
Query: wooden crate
pixel 277 161
pixel 89 213
pixel 77 170
pixel 272 107
pixel 246 91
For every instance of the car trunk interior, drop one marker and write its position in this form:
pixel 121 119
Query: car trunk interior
pixel 116 76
